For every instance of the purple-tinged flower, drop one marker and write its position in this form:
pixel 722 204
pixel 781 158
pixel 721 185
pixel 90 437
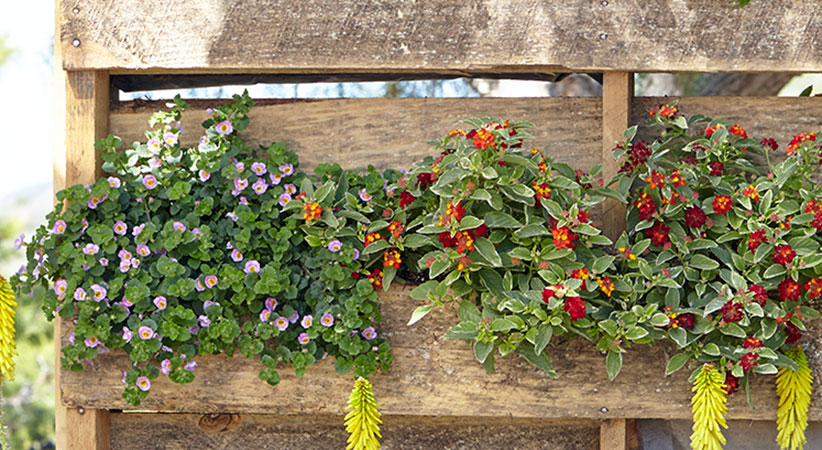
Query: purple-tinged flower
pixel 160 302
pixel 369 333
pixel 126 302
pixel 143 384
pixel 252 266
pixel 153 145
pixel 199 286
pixel 143 250
pixel 99 292
pixel 91 249
pixel 335 245
pixel 165 366
pixel 259 168
pixel 224 127
pixel 137 229
pixel 259 186
pixel 204 175
pixel 285 199
pixel 208 303
pixel 327 320
pixel 197 233
pixel 356 255
pixel 240 184
pixel 190 366
pixel 236 255
pixel 290 188
pixel 243 200
pixel 92 341
pixel 204 321
pixel 281 323
pixel 271 303
pixel 80 294
pixel 59 227
pixel 93 202
pixel 211 281
pixel 179 227
pixel 193 330
pixel 113 182
pixel 365 196
pixel 124 254
pixel 103 262
pixel 127 334
pixel 286 169
pixel 120 227
pixel 275 178
pixel 170 138
pixel 84 222
pixel 303 339
pixel 150 182
pixel 19 241
pixel 154 162
pixel 135 263
pixel 71 338
pixel 229 245
pixel 60 287
pixel 145 333
pixel 294 317
pixel 240 166
pixel 265 315
pixel 307 322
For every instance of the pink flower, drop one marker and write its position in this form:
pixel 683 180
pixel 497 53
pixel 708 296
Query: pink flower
pixel 199 286
pixel 204 321
pixel 252 266
pixel 197 233
pixel 59 227
pixel 259 187
pixel 92 341
pixel 210 281
pixel 236 255
pixel 79 294
pixel 275 178
pixel 265 315
pixel 137 229
pixel 204 175
pixel 145 333
pixel 113 182
pixel 150 182
pixel 160 302
pixel 60 287
pixel 165 366
pixel 259 168
pixel 286 169
pixel 127 335
pixel 179 227
pixel 327 320
pixel 294 317
pixel 224 127
pixel 120 228
pixel 369 333
pixel 365 196
pixel 103 262
pixel 190 366
pixel 135 263
pixel 240 184
pixel 143 383
pixel 303 339
pixel 307 321
pixel 99 292
pixel 19 241
pixel 153 145
pixel 285 199
pixel 170 138
pixel 91 249
pixel 271 303
pixel 281 323
pixel 290 188
pixel 124 254
pixel 143 250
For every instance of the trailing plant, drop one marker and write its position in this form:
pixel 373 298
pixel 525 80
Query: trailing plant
pixel 184 252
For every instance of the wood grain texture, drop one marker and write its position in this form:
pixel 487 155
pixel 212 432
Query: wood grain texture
pixel 434 376
pixel 185 431
pixel 617 93
pixel 613 434
pixel 430 35
pixel 388 132
pixel 85 120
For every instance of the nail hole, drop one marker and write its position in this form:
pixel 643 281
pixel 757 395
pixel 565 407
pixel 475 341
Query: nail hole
pixel 76 42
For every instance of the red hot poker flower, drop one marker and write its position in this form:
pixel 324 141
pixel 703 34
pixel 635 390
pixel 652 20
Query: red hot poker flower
pixel 722 204
pixel 789 290
pixel 783 254
pixel 575 306
pixel 695 217
pixel 756 239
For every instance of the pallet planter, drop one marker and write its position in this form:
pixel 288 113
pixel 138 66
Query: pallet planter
pixel 434 383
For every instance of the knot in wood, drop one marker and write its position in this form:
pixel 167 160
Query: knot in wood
pixel 219 423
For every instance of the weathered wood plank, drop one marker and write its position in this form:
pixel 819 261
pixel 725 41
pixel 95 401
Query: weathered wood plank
pixel 617 93
pixel 613 434
pixel 433 376
pixel 85 119
pixel 432 35
pixel 185 431
pixel 388 132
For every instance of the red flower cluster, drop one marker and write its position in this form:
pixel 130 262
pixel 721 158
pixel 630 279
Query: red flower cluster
pixel 695 217
pixel 452 211
pixel 814 288
pixel 578 175
pixel 659 234
pixel 542 190
pixel 752 342
pixel 817 221
pixel 638 154
pixel 731 383
pixel 564 238
pixel 406 198
pixel 813 207
pixel 769 143
pixel 482 139
pixel 798 140
pixel 756 239
pixel 783 254
pixel 463 263
pixel 575 306
pixel 716 168
pixel 686 321
pixel 760 295
pixel 748 360
pixel 789 290
pixel 463 240
pixel 312 211
pixel 751 192
pixel 606 285
pixel 371 238
pixel 676 179
pixel 731 311
pixel 710 130
pixel 375 278
pixel 646 206
pixel 656 180
pixel 793 333
pixel 581 274
pixel 391 258
pixel 425 179
pixel 550 292
pixel 738 131
pixel 722 204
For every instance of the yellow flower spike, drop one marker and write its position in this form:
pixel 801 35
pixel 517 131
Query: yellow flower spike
pixel 794 391
pixel 709 406
pixel 8 348
pixel 363 420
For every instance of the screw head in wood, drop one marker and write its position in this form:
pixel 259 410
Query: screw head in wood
pixel 76 42
pixel 81 410
pixel 603 410
pixel 604 2
pixel 76 10
pixel 603 36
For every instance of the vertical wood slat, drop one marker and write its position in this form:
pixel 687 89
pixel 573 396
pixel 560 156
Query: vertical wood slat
pixel 617 92
pixel 82 110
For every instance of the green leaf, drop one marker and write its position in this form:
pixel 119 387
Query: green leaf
pixel 415 241
pixel 602 263
pixel 469 222
pixel 774 271
pixel 636 333
pixel 676 362
pixel 375 247
pixel 502 324
pixel 532 230
pixel 541 360
pixel 419 313
pixel 711 349
pixel 482 350
pixel 732 329
pixel 497 219
pixel 487 250
pixel 307 187
pixel 805 92
pixel 421 292
pixel 544 333
pixel 679 336
pixel 468 312
pixel 702 262
pixel 613 364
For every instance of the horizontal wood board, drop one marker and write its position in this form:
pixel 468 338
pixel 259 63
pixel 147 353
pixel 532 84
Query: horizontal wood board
pixel 436 35
pixel 229 431
pixel 388 133
pixel 434 376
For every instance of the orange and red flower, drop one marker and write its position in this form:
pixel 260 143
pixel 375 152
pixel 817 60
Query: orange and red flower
pixel 482 139
pixel 375 278
pixel 751 192
pixel 606 285
pixel 756 239
pixel 396 228
pixel 564 238
pixel 658 234
pixel 722 204
pixel 371 238
pixel 391 258
pixel 798 140
pixel 789 290
pixel 738 131
pixel 676 179
pixel 769 143
pixel 731 383
pixel 463 263
pixel 581 274
pixel 814 288
pixel 656 180
pixel 783 254
pixel 760 295
pixel 312 211
pixel 710 130
pixel 752 342
pixel 646 206
pixel 541 190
